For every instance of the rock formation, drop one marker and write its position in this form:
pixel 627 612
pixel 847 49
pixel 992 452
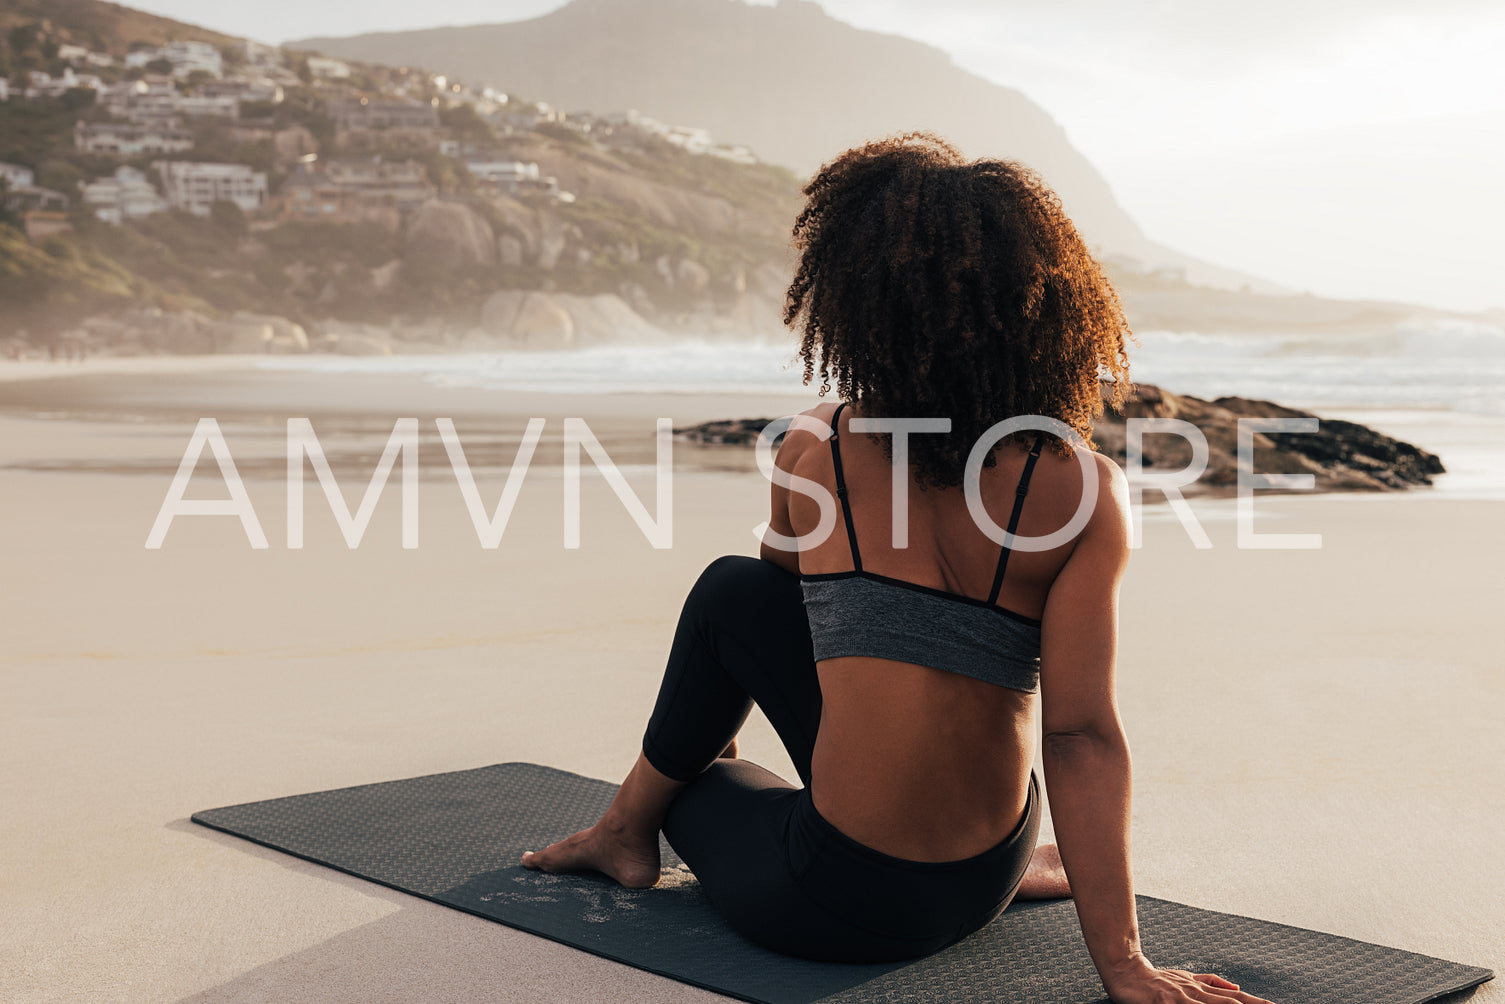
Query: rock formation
pixel 1340 456
pixel 534 320
pixel 449 233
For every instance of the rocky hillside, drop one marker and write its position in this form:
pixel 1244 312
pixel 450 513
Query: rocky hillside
pixel 639 237
pixel 788 80
pixel 791 82
pixel 637 232
pixel 102 27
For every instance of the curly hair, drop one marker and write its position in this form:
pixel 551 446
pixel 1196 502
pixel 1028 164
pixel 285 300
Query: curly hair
pixel 934 287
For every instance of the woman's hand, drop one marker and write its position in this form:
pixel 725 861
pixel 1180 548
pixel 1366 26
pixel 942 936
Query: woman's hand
pixel 1139 982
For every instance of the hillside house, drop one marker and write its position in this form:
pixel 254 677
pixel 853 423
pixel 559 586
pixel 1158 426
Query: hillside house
pixel 242 89
pixel 736 153
pixel 126 195
pixel 405 183
pixel 39 224
pixel 45 85
pixel 512 177
pixel 25 198
pixel 124 139
pixel 43 212
pixel 17 175
pixel 159 102
pixel 78 55
pixel 264 56
pixel 195 187
pixel 503 172
pixel 366 114
pixel 328 69
pixel 354 191
pixel 185 57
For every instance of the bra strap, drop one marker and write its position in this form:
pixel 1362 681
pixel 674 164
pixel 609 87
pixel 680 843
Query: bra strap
pixel 1019 493
pixel 841 488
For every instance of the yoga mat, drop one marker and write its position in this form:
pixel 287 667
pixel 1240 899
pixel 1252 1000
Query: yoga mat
pixel 456 838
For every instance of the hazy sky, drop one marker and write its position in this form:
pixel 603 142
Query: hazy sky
pixel 1350 147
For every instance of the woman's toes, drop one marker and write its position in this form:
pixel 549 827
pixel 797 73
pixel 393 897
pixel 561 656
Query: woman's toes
pixel 591 850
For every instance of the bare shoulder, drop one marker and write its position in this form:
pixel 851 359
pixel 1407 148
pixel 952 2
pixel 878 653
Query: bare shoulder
pixel 1112 488
pixel 1107 529
pixel 1087 470
pixel 810 428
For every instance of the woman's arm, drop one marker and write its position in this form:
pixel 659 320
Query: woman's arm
pixel 794 442
pixel 1084 750
pixel 1086 758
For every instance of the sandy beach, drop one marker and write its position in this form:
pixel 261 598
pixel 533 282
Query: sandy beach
pixel 1317 733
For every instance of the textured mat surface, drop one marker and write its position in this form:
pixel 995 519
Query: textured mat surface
pixel 455 839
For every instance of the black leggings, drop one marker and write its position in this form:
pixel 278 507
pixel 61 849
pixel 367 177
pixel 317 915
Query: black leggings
pixel 780 873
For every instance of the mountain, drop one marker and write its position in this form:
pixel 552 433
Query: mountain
pixel 691 242
pixel 789 81
pixel 104 27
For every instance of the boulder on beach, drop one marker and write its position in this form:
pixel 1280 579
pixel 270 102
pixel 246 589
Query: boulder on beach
pixel 278 334
pixel 530 319
pixel 1340 455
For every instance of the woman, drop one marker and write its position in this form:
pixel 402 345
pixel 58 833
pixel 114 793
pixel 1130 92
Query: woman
pixel 898 650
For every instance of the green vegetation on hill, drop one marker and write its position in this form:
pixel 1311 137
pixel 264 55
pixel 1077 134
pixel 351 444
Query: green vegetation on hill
pixel 39 135
pixel 680 237
pixel 102 27
pixel 61 281
pixel 673 232
pixel 315 271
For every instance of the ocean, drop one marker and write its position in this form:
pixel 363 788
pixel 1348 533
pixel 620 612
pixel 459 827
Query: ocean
pixel 1440 386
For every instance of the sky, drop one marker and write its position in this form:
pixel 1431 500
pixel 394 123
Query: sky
pixel 1352 148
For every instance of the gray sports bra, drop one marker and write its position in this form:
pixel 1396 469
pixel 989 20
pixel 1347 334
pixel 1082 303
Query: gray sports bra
pixel 862 613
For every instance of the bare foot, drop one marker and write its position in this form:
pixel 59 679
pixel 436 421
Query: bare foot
pixel 1045 878
pixel 730 753
pixel 631 860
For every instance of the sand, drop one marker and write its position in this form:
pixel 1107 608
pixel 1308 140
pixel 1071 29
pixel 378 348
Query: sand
pixel 1317 734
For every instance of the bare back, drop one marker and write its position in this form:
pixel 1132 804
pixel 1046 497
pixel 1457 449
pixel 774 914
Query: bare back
pixel 913 761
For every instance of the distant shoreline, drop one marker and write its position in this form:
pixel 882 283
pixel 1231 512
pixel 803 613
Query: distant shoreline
pixel 355 411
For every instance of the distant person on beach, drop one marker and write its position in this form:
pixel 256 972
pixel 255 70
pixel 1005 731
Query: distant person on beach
pixel 898 647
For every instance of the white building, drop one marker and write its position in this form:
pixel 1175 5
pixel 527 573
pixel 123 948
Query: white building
pixel 17 176
pixel 31 199
pixel 185 57
pixel 45 85
pixel 195 187
pixel 140 101
pixel 189 57
pixel 77 54
pixel 514 177
pixel 128 140
pixel 736 153
pixel 366 114
pixel 200 106
pixel 266 56
pixel 144 105
pixel 328 69
pixel 126 195
pixel 693 140
pixel 503 172
pixel 242 89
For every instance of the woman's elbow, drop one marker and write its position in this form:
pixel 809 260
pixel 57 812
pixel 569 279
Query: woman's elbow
pixel 1092 743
